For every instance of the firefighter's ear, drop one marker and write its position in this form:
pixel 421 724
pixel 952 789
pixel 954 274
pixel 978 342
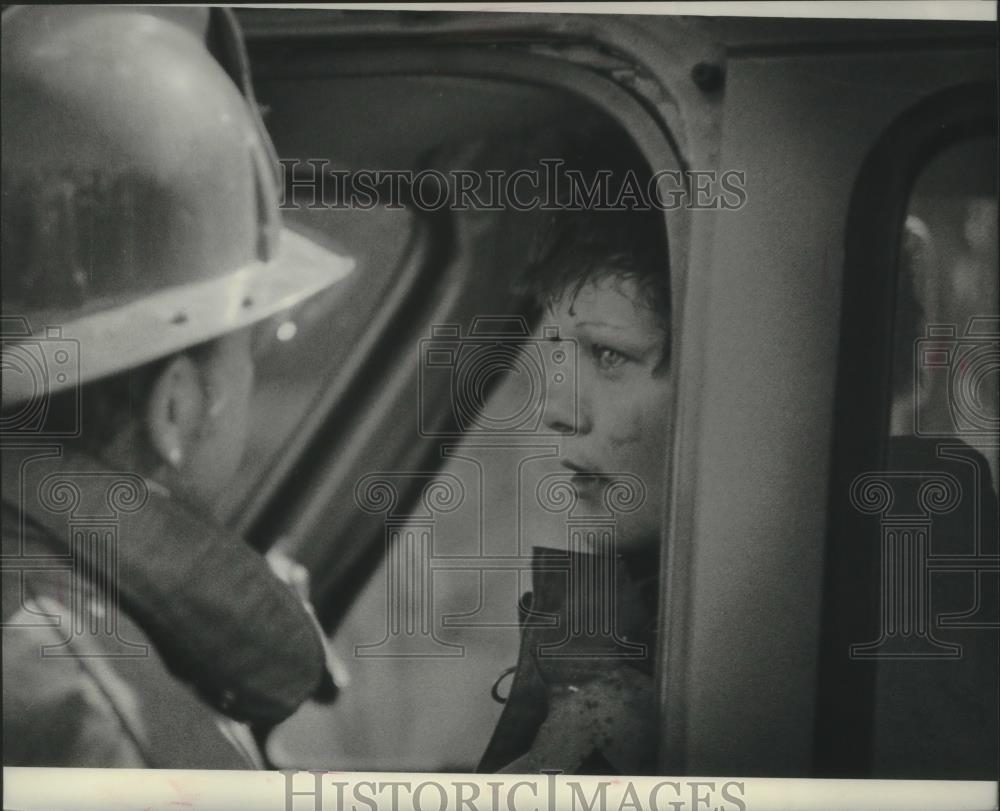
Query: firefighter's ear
pixel 175 410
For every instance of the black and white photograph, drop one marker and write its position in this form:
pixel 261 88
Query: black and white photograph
pixel 498 407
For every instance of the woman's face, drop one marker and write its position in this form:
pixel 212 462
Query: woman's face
pixel 618 419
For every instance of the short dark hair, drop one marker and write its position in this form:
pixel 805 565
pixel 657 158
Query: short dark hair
pixel 576 248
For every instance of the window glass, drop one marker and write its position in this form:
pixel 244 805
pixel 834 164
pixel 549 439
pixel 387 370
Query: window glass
pixel 945 369
pixel 299 352
pixel 935 646
pixel 488 384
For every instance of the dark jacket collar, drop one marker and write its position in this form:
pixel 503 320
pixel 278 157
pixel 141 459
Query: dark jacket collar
pixel 606 610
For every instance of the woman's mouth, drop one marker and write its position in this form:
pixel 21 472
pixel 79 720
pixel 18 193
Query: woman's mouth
pixel 588 483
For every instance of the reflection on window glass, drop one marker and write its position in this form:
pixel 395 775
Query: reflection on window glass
pixel 936 677
pixel 945 365
pixel 299 352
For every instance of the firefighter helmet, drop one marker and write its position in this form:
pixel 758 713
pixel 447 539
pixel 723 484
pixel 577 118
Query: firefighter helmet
pixel 140 196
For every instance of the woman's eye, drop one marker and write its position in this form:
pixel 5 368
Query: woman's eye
pixel 608 358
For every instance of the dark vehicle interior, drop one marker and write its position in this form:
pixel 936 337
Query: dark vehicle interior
pixel 841 147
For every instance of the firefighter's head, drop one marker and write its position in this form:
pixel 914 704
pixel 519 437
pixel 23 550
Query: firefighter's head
pixel 141 235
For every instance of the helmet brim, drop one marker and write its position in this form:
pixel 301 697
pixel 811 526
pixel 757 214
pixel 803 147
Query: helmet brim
pixel 50 353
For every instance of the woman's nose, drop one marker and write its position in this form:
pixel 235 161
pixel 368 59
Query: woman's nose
pixel 559 422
